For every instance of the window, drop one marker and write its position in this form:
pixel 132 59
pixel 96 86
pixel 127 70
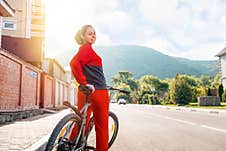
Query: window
pixel 9 25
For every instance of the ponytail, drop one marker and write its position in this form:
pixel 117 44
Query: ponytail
pixel 78 37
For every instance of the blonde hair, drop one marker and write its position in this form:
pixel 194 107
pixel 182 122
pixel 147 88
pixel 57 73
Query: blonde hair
pixel 80 32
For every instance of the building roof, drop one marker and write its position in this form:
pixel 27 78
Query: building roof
pixel 221 53
pixel 5 9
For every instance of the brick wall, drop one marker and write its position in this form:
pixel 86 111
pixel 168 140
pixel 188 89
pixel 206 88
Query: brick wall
pixel 209 100
pixel 30 88
pixel 25 87
pixel 19 84
pixel 47 91
pixel 62 92
pixel 0 30
pixel 10 74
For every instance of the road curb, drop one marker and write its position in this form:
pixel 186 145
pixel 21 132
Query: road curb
pixel 211 111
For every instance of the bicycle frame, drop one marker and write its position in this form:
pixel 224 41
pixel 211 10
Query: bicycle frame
pixel 81 138
pixel 83 132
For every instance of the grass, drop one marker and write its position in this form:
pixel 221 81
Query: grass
pixel 222 106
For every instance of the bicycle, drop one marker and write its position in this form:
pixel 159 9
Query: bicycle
pixel 59 139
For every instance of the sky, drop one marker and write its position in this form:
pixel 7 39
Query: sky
pixel 193 29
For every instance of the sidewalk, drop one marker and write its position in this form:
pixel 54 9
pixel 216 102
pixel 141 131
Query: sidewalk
pixel 29 134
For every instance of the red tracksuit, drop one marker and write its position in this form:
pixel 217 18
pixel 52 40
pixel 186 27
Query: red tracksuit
pixel 87 68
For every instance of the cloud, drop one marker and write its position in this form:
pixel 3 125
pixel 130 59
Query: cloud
pixel 102 6
pixel 160 44
pixel 223 20
pixel 185 28
pixel 203 51
pixel 182 38
pixel 103 39
pixel 116 21
pixel 165 15
pixel 178 27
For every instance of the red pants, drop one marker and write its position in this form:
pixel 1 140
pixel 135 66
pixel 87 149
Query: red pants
pixel 99 106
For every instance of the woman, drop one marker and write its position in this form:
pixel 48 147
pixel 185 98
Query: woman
pixel 87 69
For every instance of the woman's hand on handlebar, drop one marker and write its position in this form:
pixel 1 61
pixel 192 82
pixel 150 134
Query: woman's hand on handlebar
pixel 91 87
pixel 87 89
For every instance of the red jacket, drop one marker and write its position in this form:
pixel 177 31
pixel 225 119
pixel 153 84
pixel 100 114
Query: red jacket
pixel 86 67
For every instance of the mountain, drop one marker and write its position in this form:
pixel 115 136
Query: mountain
pixel 141 61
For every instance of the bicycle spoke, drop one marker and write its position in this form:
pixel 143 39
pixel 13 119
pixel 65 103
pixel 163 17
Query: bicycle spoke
pixel 60 137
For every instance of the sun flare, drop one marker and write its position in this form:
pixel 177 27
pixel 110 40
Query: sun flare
pixel 61 25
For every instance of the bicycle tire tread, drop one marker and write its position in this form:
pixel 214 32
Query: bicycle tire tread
pixel 58 128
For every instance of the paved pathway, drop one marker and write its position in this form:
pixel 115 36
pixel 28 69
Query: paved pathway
pixel 21 135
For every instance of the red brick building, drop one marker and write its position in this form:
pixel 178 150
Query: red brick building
pixel 5 11
pixel 27 80
pixel 24 33
pixel 19 84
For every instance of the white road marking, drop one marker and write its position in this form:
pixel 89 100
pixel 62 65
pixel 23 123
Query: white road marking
pixel 213 128
pixel 185 122
pixel 181 121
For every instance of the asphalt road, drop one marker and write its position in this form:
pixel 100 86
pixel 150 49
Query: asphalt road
pixel 147 128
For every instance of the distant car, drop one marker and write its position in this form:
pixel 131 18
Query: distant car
pixel 122 101
pixel 113 101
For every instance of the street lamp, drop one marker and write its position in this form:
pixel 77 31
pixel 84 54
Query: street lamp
pixel 153 92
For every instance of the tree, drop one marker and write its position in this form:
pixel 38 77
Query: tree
pixel 124 80
pixel 180 90
pixel 205 80
pixel 208 92
pixel 122 77
pixel 132 83
pixel 147 98
pixel 135 96
pixel 145 85
pixel 220 91
pixel 118 95
pixel 197 92
pixel 152 81
pixel 195 85
pixel 216 82
pixel 191 80
pixel 224 96
pixel 143 90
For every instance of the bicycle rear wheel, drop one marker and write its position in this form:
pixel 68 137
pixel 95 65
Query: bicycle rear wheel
pixel 61 133
pixel 113 126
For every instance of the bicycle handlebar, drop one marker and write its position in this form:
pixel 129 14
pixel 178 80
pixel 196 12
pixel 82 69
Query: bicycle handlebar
pixel 87 89
pixel 120 90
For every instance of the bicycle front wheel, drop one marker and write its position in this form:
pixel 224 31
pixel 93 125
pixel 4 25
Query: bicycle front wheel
pixel 113 126
pixel 61 133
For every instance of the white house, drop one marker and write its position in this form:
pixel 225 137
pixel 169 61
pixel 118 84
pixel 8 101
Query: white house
pixel 222 66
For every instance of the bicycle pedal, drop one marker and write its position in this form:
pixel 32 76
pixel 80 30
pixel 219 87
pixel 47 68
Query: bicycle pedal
pixel 64 145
